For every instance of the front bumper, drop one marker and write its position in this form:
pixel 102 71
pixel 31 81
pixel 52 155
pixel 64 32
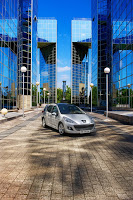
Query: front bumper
pixel 79 129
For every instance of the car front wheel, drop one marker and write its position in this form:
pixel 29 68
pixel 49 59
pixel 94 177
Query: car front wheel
pixel 61 129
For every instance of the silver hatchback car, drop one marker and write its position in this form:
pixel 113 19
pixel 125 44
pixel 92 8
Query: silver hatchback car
pixel 67 118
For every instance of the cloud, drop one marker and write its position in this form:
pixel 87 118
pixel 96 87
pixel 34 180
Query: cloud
pixel 44 73
pixel 63 69
pixel 83 34
pixel 59 61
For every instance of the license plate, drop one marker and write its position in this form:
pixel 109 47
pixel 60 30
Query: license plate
pixel 85 131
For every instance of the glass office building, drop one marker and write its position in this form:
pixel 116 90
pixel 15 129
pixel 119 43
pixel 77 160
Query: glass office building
pixel 81 60
pixel 112 46
pixel 8 54
pixel 47 45
pixel 122 53
pixel 101 49
pixel 27 51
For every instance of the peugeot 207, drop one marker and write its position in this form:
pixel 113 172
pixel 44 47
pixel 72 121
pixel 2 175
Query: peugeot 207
pixel 67 118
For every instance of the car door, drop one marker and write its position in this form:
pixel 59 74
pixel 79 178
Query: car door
pixel 55 117
pixel 49 115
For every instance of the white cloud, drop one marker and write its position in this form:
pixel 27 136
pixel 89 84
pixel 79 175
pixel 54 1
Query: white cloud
pixel 59 61
pixel 83 34
pixel 44 73
pixel 63 69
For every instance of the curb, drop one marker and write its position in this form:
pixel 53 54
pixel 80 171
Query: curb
pixel 10 118
pixel 125 119
pixel 13 117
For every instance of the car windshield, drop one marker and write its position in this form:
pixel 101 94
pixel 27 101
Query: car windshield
pixel 69 109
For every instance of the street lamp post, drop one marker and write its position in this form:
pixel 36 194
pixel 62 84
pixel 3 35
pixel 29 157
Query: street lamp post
pixel 91 85
pixel 48 97
pixel 107 71
pixel 23 70
pixel 0 96
pixel 37 83
pixel 84 96
pixel 44 89
pixel 129 85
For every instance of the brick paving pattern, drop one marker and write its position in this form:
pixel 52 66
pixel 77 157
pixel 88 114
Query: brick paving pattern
pixel 39 164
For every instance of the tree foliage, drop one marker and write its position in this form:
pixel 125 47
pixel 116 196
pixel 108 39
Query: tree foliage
pixel 68 94
pixel 94 96
pixel 59 95
pixel 42 95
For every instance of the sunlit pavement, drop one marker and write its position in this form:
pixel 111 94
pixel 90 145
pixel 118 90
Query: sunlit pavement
pixel 39 164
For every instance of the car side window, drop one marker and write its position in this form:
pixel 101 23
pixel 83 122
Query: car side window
pixel 55 110
pixel 49 109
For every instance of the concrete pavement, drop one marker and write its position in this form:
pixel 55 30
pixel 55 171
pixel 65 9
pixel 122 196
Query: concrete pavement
pixel 39 164
pixel 16 114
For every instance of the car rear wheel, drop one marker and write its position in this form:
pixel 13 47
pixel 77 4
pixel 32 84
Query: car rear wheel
pixel 61 129
pixel 43 123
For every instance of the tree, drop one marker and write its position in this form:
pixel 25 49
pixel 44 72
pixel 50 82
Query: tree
pixel 59 95
pixel 68 94
pixel 34 91
pixel 42 95
pixel 94 96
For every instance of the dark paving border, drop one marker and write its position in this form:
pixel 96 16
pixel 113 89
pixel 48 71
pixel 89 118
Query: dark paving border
pixel 17 127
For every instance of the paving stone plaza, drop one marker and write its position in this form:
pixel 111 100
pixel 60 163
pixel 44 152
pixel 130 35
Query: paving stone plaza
pixel 39 164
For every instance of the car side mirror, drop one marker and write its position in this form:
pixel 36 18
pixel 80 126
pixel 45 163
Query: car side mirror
pixel 54 114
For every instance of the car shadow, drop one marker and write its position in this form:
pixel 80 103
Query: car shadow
pixel 80 135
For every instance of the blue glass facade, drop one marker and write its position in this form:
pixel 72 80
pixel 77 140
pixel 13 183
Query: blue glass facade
pixel 94 66
pixel 47 44
pixel 112 46
pixel 27 50
pixel 101 48
pixel 81 59
pixel 8 54
pixel 122 53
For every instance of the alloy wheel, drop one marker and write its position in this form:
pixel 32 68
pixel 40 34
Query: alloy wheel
pixel 61 129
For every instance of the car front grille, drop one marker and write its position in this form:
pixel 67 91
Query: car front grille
pixel 84 127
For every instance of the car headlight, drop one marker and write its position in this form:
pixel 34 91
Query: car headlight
pixel 92 121
pixel 68 120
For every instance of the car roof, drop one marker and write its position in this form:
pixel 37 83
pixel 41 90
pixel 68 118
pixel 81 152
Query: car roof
pixel 62 103
pixel 53 104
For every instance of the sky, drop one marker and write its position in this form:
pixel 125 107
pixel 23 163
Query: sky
pixel 64 12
